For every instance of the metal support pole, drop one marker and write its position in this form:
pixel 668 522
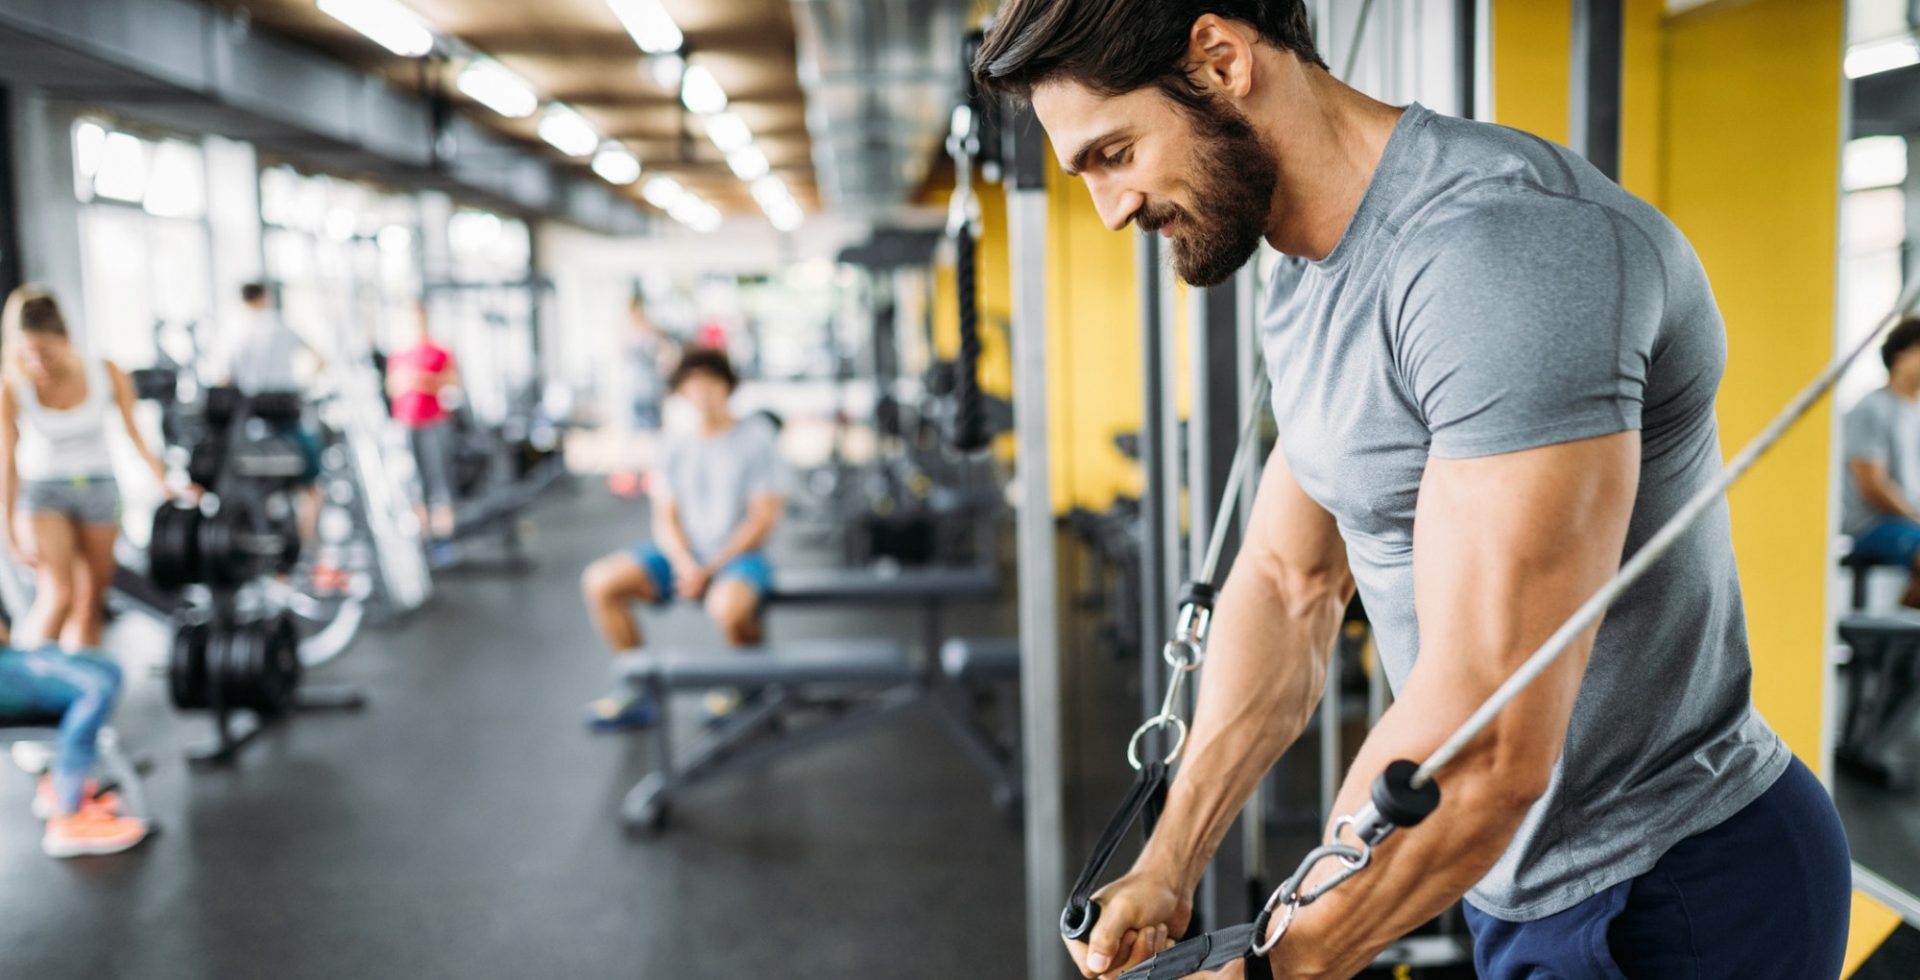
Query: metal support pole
pixel 1217 338
pixel 1595 133
pixel 1155 592
pixel 1466 49
pixel 1044 694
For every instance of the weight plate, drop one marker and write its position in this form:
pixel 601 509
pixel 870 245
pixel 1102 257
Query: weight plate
pixel 187 667
pixel 173 548
pixel 221 401
pixel 221 561
pixel 280 659
pixel 206 459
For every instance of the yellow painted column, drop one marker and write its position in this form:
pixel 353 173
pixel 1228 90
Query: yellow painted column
pixel 1532 65
pixel 1093 358
pixel 1748 82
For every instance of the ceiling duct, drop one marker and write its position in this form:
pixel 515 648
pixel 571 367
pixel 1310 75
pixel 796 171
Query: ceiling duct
pixel 881 77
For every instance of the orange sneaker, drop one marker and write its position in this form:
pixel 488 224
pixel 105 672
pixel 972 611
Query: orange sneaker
pixel 94 830
pixel 43 798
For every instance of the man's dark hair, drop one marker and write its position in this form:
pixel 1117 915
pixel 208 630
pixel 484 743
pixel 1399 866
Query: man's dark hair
pixel 253 292
pixel 1116 46
pixel 707 361
pixel 1904 334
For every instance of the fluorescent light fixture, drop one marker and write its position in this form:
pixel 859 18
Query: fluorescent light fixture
pixel 728 132
pixel 385 23
pixel 615 165
pixel 489 83
pixel 700 92
pixel 771 192
pixel 666 70
pixel 787 219
pixel 748 164
pixel 568 131
pixel 661 192
pixel 1873 161
pixel 1874 57
pixel 647 21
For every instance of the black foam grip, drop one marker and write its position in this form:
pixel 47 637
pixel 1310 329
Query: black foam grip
pixel 1395 796
pixel 970 405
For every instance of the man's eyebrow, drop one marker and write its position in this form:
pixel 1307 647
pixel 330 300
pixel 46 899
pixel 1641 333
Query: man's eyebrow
pixel 1080 156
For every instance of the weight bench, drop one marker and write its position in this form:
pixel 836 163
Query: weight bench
pixel 985 674
pixel 114 768
pixel 1883 696
pixel 807 692
pixel 931 588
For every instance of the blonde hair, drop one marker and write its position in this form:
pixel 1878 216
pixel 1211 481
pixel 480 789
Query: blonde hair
pixel 31 308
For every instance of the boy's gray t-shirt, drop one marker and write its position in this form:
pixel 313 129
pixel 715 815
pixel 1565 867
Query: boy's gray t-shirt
pixel 1884 428
pixel 712 479
pixel 1495 293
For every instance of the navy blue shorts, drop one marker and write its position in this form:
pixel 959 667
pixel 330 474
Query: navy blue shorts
pixel 1766 894
pixel 1889 541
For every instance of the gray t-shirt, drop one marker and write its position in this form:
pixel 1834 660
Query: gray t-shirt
pixel 1495 293
pixel 713 478
pixel 1884 428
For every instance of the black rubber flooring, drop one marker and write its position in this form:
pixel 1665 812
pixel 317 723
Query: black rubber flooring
pixel 463 825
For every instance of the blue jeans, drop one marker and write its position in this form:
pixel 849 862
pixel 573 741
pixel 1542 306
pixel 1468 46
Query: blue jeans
pixel 1766 894
pixel 1889 541
pixel 80 689
pixel 751 568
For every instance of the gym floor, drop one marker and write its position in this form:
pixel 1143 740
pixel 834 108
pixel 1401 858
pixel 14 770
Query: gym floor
pixel 464 824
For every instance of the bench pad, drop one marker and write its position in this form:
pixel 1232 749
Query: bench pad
pixel 857 661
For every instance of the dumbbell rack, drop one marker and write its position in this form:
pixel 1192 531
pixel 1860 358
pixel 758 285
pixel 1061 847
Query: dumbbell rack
pixel 244 669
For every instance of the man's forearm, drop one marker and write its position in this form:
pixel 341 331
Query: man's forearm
pixel 1266 666
pixel 1886 498
pixel 672 539
pixel 749 536
pixel 1416 874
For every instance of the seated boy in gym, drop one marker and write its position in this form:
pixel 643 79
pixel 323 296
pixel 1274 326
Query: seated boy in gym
pixel 1882 440
pixel 717 495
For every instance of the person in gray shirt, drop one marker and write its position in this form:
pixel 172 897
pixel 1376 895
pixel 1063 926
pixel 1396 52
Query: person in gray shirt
pixel 1494 376
pixel 717 497
pixel 1881 437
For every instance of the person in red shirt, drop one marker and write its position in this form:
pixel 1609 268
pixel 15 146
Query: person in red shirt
pixel 415 378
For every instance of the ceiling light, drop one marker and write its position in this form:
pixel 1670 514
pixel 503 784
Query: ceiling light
pixel 749 163
pixel 700 92
pixel 666 70
pixel 771 192
pixel 385 23
pixel 661 192
pixel 489 83
pixel 568 131
pixel 787 219
pixel 1875 57
pixel 647 21
pixel 728 132
pixel 615 165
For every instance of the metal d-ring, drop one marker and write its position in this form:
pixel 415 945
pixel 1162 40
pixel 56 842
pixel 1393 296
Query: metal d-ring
pixel 1174 722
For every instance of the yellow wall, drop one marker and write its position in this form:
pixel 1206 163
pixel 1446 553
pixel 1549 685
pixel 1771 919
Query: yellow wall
pixel 1532 65
pixel 1749 82
pixel 1093 349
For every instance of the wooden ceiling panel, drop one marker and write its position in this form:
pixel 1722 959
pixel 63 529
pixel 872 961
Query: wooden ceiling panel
pixel 575 51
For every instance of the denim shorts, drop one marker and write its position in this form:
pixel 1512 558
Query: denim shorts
pixel 1889 541
pixel 751 568
pixel 84 499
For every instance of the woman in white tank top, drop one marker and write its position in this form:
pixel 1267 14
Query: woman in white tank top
pixel 56 472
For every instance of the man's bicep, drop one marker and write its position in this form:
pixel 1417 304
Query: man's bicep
pixel 1292 537
pixel 1507 547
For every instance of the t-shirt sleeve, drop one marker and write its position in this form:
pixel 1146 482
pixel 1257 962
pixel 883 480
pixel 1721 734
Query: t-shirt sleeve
pixel 666 470
pixel 766 472
pixel 1868 432
pixel 1525 322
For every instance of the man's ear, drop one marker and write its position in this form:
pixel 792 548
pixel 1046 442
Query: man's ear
pixel 1220 56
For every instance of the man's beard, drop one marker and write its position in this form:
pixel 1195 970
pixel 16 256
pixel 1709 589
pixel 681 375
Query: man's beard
pixel 1233 177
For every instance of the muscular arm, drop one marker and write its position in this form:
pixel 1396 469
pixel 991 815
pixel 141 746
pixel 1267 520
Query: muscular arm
pixel 1505 549
pixel 1878 488
pixel 9 441
pixel 1273 632
pixel 763 512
